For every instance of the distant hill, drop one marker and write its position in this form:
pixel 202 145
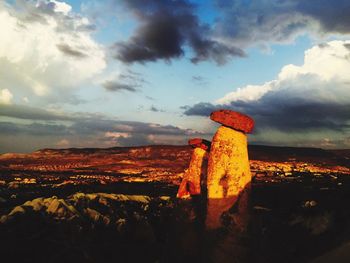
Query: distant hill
pixel 315 155
pixel 158 163
pixel 256 152
pixel 344 152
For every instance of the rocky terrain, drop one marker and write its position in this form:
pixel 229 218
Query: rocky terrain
pixel 119 205
pixel 164 164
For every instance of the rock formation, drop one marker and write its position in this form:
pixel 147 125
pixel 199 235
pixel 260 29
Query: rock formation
pixel 191 182
pixel 229 173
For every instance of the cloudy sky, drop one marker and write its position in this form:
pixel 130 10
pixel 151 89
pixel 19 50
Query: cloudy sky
pixel 90 73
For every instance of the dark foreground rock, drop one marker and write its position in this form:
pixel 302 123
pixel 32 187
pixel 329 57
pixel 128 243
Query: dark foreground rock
pixel 108 227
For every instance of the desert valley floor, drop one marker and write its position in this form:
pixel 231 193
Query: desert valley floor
pixel 119 205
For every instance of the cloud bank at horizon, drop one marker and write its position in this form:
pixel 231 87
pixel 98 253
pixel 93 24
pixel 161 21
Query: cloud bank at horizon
pixel 311 98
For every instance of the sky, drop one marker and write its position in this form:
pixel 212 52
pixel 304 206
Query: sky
pixel 108 73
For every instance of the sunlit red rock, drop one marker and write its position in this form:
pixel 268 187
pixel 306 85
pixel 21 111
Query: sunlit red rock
pixel 191 182
pixel 199 143
pixel 228 165
pixel 234 120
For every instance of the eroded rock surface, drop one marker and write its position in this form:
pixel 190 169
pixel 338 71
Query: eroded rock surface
pixel 191 182
pixel 98 207
pixel 228 165
pixel 234 120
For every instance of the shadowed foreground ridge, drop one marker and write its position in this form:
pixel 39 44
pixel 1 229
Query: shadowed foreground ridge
pixel 118 204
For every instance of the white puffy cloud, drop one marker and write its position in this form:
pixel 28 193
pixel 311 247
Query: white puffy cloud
pixel 61 7
pixel 308 102
pixel 247 93
pixel 5 96
pixel 324 76
pixel 45 48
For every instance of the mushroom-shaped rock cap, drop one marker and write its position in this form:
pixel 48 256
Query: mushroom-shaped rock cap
pixel 234 120
pixel 199 143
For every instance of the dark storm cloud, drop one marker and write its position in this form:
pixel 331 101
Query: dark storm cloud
pixel 210 49
pixel 277 110
pixel 332 15
pixel 92 126
pixel 84 129
pixel 165 28
pixel 69 51
pixel 200 109
pixel 78 123
pixel 296 115
pixel 131 133
pixel 117 86
pixel 147 128
pixel 264 22
pixel 31 113
pixel 159 38
pixel 35 129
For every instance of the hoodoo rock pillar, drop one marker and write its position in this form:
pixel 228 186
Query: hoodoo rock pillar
pixel 228 176
pixel 191 182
